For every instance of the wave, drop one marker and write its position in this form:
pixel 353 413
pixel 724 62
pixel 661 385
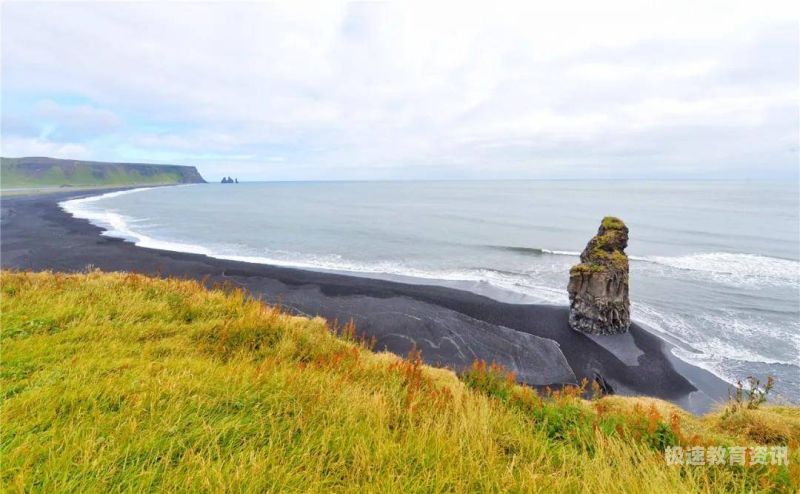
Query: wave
pixel 533 250
pixel 482 279
pixel 730 337
pixel 75 204
pixel 735 268
pixel 118 225
pixel 561 252
pixel 722 267
pixel 729 346
pixel 114 224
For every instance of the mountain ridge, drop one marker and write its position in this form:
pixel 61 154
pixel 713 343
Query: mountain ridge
pixel 36 171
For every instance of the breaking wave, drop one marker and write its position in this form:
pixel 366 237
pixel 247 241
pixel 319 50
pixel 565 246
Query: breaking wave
pixel 736 269
pixel 118 225
pixel 721 267
pixel 533 250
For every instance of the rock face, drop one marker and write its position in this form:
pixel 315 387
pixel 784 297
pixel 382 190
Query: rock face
pixel 598 286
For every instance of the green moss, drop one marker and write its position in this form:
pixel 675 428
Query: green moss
pixel 578 269
pixel 610 237
pixel 613 223
pixel 586 268
pixel 617 257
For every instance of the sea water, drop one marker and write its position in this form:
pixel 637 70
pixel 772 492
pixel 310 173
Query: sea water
pixel 715 266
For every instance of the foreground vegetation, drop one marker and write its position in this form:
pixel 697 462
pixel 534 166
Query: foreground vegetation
pixel 121 382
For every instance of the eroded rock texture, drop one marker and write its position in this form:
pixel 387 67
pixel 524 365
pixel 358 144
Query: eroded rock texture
pixel 598 286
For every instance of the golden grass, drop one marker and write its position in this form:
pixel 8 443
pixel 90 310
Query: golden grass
pixel 119 382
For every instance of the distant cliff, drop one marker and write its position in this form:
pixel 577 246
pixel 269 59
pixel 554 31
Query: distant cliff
pixel 51 172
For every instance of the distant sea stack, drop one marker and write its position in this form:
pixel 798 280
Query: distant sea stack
pixel 52 172
pixel 598 286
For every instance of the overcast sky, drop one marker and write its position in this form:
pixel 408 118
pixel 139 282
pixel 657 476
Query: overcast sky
pixel 408 90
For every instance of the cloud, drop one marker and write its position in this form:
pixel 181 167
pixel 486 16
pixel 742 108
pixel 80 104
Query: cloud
pixel 70 121
pixel 22 146
pixel 368 90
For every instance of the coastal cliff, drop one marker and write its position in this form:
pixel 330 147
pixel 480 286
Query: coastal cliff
pixel 52 172
pixel 598 286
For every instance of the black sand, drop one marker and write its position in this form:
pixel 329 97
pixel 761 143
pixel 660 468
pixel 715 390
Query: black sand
pixel 451 327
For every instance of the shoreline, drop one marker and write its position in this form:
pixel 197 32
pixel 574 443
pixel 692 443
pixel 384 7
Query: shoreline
pixel 450 326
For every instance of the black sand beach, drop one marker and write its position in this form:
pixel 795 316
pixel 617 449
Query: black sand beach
pixel 451 327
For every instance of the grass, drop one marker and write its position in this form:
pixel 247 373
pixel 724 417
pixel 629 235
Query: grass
pixel 119 382
pixel 33 173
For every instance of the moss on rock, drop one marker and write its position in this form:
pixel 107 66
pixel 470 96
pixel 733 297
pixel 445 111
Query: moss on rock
pixel 612 223
pixel 598 286
pixel 586 268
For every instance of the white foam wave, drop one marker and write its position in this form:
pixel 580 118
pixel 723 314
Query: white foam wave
pixel 723 344
pixel 113 223
pixel 738 269
pixel 118 225
pixel 561 252
pixel 724 267
pixel 76 205
pixel 521 284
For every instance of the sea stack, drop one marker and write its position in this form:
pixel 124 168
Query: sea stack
pixel 598 286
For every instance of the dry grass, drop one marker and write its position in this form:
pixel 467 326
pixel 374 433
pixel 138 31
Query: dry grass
pixel 119 382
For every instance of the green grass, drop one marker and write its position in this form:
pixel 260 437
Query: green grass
pixel 119 382
pixel 40 172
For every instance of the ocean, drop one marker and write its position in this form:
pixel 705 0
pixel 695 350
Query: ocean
pixel 715 266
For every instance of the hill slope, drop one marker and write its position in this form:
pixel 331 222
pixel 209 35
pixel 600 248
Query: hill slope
pixel 120 382
pixel 51 172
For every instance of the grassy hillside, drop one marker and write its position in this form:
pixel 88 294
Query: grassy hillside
pixel 122 382
pixel 49 172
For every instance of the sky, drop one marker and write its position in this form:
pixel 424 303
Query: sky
pixel 408 90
